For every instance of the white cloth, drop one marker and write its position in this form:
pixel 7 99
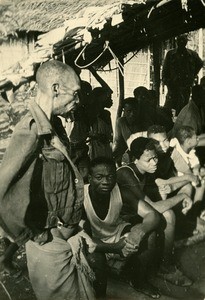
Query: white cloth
pixel 108 230
pixel 190 158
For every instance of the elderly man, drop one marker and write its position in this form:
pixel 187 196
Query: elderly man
pixel 41 191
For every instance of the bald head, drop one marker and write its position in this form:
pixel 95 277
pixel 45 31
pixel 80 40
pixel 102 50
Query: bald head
pixel 54 72
pixel 58 87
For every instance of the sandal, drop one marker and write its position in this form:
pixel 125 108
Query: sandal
pixel 174 276
pixel 146 288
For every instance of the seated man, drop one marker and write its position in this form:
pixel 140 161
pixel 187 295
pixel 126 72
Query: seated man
pixel 166 172
pixel 183 155
pixel 186 161
pixel 103 202
pixel 133 178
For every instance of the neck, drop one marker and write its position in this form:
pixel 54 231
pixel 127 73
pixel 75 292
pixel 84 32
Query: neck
pixel 45 103
pixel 181 50
pixel 185 148
pixel 138 167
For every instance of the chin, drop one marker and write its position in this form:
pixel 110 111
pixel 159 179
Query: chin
pixel 152 171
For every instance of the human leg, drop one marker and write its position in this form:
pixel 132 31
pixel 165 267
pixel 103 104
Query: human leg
pixel 98 263
pixel 139 267
pixel 168 270
pixel 7 257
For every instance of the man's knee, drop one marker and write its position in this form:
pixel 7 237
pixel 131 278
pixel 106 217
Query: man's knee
pixel 169 217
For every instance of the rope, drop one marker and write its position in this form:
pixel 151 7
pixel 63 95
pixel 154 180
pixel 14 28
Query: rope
pixel 92 62
pixel 120 66
pixel 63 56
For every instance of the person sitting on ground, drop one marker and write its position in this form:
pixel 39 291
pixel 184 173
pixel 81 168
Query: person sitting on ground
pixel 146 105
pixel 184 157
pixel 131 123
pixel 186 162
pixel 166 173
pixel 149 109
pixel 133 177
pixel 103 203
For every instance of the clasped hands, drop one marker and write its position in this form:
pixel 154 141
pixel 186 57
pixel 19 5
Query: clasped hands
pixel 132 240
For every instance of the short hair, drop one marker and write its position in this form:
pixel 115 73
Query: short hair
pixel 183 133
pixel 86 87
pixel 99 91
pixel 155 129
pixel 141 90
pixel 182 37
pixel 52 72
pixel 129 101
pixel 139 145
pixel 101 160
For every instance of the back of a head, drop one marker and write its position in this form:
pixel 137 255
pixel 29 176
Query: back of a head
pixel 101 160
pixel 98 92
pixel 154 129
pixel 183 133
pixel 182 40
pixel 130 101
pixel 53 72
pixel 86 87
pixel 139 145
pixel 141 92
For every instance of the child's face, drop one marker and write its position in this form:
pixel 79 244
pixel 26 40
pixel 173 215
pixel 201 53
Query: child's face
pixel 193 141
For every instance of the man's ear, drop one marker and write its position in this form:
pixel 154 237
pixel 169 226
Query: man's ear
pixel 55 89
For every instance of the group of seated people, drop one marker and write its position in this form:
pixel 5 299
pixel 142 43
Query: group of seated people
pixel 138 190
pixel 135 205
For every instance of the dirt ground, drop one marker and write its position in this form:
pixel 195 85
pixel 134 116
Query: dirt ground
pixel 191 260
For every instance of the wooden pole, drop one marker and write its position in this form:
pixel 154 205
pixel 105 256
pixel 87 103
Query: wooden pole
pixel 201 43
pixel 156 63
pixel 121 87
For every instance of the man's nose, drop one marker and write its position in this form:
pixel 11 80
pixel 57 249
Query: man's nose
pixel 105 180
pixel 154 161
pixel 77 99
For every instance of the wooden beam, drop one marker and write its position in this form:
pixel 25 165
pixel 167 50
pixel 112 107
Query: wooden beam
pixel 121 87
pixel 157 45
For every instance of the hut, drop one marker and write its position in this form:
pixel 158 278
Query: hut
pixel 95 32
pixel 91 33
